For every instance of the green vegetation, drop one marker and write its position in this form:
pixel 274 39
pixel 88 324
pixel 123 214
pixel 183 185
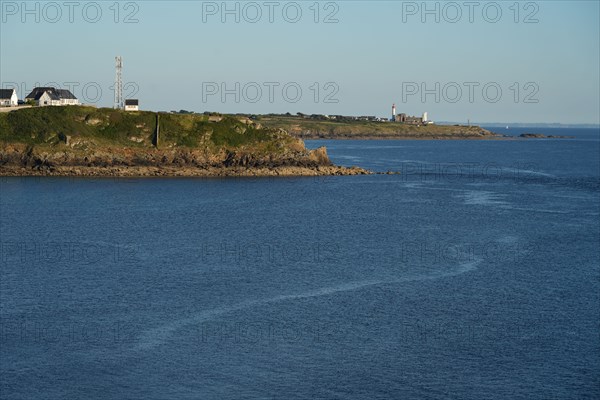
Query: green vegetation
pixel 104 126
pixel 229 133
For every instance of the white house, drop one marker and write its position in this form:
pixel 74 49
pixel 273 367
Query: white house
pixel 49 96
pixel 132 105
pixel 67 98
pixel 8 98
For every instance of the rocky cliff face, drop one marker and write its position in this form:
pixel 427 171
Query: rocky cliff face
pixel 21 159
pixel 47 158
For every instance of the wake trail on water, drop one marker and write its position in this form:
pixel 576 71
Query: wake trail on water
pixel 157 336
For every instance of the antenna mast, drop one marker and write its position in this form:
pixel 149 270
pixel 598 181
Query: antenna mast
pixel 119 83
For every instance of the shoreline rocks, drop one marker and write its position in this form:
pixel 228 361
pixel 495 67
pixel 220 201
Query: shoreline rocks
pixel 23 160
pixel 542 136
pixel 149 172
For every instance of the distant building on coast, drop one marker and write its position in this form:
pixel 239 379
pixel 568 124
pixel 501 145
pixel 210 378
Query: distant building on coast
pixel 132 105
pixel 410 120
pixel 49 96
pixel 8 98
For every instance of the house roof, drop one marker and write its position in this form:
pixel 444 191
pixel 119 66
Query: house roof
pixel 132 102
pixel 37 92
pixel 55 94
pixel 6 93
pixel 65 94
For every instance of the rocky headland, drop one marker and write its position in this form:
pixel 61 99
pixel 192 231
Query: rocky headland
pixel 304 127
pixel 85 141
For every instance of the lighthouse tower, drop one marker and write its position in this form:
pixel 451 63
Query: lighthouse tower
pixel 393 112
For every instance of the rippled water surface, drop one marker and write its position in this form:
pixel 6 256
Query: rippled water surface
pixel 474 274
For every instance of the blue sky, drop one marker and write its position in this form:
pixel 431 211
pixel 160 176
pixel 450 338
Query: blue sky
pixel 534 62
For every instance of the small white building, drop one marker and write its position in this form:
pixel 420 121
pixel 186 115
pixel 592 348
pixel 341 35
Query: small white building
pixel 132 105
pixel 426 120
pixel 8 98
pixel 49 96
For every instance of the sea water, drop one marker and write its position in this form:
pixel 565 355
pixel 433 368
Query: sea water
pixel 473 274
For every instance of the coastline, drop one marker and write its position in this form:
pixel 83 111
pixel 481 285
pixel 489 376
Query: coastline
pixel 390 137
pixel 313 129
pixel 62 160
pixel 83 141
pixel 79 141
pixel 183 172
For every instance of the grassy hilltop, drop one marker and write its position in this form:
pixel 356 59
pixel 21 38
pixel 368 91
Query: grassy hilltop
pixel 104 126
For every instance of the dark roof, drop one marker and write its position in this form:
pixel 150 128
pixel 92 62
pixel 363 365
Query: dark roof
pixel 65 94
pixel 132 102
pixel 37 92
pixel 6 93
pixel 55 94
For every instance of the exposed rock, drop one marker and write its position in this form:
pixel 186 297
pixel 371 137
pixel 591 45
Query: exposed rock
pixel 542 136
pixel 21 160
pixel 532 135
pixel 320 156
pixel 93 121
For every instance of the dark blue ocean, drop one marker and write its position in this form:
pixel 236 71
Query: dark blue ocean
pixel 474 274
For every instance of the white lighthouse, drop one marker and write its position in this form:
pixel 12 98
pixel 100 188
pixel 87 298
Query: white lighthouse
pixel 393 112
pixel 425 118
